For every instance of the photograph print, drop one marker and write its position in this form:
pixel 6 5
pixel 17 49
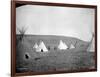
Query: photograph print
pixel 52 38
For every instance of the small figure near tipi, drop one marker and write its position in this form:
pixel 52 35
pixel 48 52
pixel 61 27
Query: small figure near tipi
pixel 62 45
pixel 72 46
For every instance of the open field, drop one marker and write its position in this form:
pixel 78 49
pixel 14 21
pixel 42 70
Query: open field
pixel 53 60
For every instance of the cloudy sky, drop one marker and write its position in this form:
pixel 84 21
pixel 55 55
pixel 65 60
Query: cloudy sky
pixel 50 20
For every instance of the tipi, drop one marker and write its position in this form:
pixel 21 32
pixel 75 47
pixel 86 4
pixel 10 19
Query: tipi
pixel 72 46
pixel 62 45
pixel 35 46
pixel 91 46
pixel 42 47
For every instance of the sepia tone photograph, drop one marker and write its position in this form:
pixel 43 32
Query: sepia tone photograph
pixel 54 38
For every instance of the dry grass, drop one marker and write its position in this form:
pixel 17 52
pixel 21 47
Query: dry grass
pixel 54 60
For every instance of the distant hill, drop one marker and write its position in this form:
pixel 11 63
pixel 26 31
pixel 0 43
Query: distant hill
pixel 53 39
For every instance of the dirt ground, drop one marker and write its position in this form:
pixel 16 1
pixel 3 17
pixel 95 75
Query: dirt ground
pixel 54 60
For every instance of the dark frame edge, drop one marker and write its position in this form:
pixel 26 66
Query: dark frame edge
pixel 13 72
pixel 55 4
pixel 96 37
pixel 55 72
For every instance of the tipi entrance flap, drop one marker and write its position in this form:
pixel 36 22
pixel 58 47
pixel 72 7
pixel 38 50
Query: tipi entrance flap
pixel 62 45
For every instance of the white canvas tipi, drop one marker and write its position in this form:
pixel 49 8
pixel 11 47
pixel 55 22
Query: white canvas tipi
pixel 91 46
pixel 35 46
pixel 42 47
pixel 62 45
pixel 72 46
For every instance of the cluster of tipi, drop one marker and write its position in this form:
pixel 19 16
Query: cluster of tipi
pixel 42 48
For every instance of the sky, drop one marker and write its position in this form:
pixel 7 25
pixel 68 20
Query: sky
pixel 54 20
